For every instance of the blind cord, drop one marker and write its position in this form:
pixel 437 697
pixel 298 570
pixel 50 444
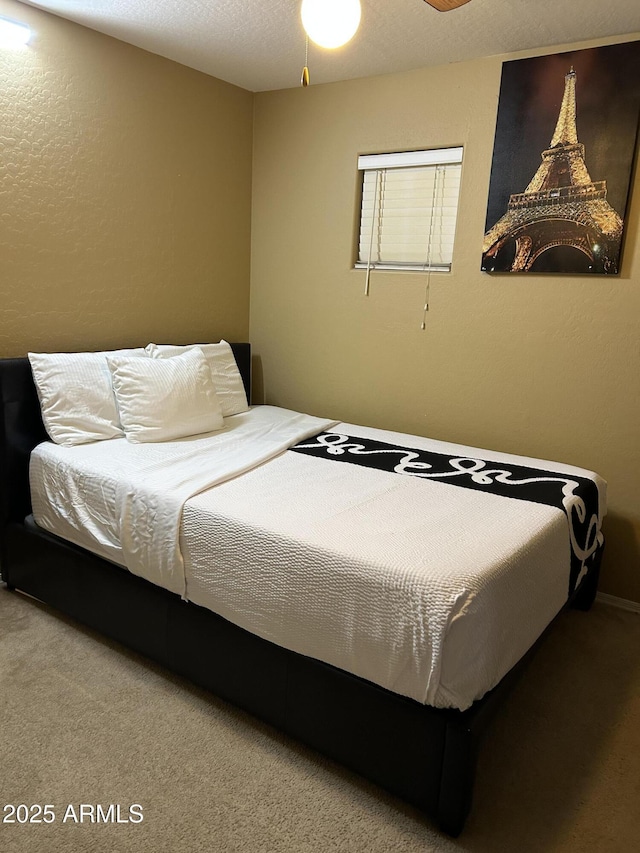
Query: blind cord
pixel 427 288
pixel 373 225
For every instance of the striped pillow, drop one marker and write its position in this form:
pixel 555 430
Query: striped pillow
pixel 76 396
pixel 165 399
pixel 224 372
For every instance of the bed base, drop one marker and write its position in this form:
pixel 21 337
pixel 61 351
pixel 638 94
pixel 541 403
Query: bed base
pixel 425 756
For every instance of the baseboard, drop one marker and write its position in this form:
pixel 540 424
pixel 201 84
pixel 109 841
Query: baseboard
pixel 622 603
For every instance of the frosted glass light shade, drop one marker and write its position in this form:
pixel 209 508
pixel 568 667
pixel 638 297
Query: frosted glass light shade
pixel 13 34
pixel 330 23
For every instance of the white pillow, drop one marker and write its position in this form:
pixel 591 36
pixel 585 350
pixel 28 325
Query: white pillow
pixel 76 397
pixel 164 399
pixel 224 371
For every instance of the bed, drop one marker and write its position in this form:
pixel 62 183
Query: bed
pixel 411 728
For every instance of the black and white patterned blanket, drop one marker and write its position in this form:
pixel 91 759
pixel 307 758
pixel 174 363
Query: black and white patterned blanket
pixel 577 496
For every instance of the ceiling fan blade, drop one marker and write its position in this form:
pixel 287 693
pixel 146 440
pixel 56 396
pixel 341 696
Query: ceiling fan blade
pixel 446 5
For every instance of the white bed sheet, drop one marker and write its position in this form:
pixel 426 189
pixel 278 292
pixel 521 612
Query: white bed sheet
pixel 428 589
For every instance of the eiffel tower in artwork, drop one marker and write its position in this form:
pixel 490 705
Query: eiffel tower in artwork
pixel 562 206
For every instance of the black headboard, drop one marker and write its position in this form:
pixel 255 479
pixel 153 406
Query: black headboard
pixel 21 429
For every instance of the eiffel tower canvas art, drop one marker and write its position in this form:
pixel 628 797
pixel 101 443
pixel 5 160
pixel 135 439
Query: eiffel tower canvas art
pixel 566 212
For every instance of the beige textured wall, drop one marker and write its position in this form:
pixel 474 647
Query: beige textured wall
pixel 539 365
pixel 125 195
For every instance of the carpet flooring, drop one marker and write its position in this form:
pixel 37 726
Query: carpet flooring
pixel 85 722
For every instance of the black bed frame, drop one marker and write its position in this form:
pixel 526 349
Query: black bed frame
pixel 423 755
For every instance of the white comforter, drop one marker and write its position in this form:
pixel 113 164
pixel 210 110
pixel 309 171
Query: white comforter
pixel 430 590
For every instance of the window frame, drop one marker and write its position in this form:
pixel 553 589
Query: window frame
pixel 426 158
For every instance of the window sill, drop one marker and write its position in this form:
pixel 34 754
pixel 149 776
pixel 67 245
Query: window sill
pixel 405 267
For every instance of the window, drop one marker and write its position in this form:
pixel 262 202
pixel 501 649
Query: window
pixel 409 208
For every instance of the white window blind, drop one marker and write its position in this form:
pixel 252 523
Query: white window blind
pixel 409 209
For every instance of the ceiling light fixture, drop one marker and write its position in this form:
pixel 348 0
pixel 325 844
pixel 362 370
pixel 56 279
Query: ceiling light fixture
pixel 330 23
pixel 13 34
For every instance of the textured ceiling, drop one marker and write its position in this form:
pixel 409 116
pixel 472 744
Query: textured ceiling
pixel 260 44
